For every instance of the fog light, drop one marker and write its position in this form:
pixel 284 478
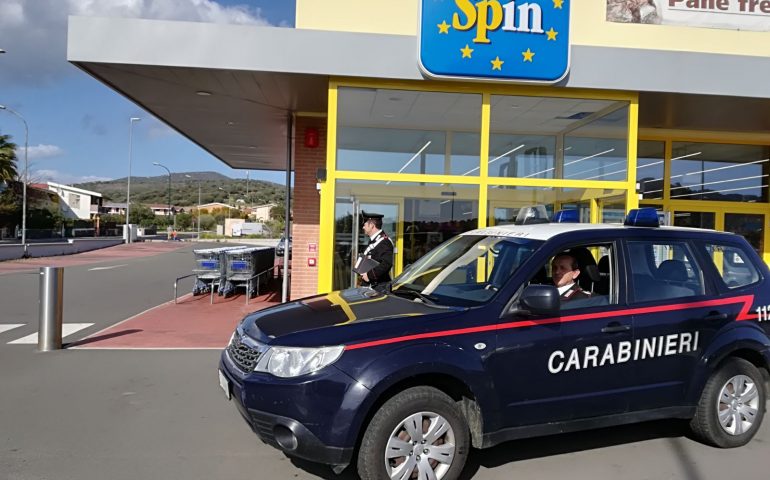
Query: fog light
pixel 285 437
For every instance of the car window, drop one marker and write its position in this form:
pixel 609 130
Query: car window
pixel 465 271
pixel 584 274
pixel 663 270
pixel 733 264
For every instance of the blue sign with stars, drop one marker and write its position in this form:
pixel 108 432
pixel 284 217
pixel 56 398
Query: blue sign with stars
pixel 516 40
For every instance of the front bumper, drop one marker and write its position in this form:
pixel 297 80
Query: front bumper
pixel 294 439
pixel 305 418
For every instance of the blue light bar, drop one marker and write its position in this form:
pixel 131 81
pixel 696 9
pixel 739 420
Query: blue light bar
pixel 566 216
pixel 642 217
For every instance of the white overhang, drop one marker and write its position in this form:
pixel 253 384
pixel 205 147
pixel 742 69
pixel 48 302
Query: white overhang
pixel 258 76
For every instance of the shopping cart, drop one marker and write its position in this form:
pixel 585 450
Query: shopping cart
pixel 210 268
pixel 247 267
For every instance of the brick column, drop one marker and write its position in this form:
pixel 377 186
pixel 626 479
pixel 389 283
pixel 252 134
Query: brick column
pixel 306 207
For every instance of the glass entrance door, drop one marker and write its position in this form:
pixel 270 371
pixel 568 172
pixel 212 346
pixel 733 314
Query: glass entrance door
pixel 350 238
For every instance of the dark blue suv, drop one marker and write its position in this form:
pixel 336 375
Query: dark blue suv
pixel 510 332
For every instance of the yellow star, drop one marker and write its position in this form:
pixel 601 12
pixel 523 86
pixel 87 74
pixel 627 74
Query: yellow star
pixel 443 27
pixel 466 51
pixel 497 64
pixel 557 3
pixel 528 55
pixel 552 34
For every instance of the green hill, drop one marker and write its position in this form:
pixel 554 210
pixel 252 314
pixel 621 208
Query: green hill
pixel 184 191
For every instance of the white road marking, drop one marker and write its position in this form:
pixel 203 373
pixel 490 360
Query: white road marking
pixel 10 326
pixel 67 329
pixel 107 268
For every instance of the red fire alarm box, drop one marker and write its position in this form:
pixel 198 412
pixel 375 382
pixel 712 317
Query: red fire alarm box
pixel 311 262
pixel 311 137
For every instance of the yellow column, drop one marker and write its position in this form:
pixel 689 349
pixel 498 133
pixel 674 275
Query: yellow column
pixel 632 199
pixel 326 247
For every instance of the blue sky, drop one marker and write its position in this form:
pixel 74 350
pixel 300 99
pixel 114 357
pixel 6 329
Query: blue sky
pixel 78 127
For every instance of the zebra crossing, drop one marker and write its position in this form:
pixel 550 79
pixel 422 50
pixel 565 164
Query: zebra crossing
pixel 7 330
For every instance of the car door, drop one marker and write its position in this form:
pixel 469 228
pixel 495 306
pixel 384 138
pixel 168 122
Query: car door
pixel 676 312
pixel 569 366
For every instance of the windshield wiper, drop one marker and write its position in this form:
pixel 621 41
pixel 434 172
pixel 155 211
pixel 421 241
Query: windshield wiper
pixel 426 298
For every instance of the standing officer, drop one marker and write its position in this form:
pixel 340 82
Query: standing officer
pixel 380 249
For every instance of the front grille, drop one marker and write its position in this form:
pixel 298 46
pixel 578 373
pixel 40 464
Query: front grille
pixel 243 355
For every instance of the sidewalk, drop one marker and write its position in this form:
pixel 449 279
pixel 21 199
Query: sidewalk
pixel 193 323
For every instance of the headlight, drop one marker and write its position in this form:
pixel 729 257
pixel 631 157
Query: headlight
pixel 293 362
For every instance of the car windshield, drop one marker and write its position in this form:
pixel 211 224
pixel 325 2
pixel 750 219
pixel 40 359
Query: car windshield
pixel 467 270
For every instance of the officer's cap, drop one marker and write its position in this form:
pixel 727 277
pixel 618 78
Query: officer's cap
pixel 366 216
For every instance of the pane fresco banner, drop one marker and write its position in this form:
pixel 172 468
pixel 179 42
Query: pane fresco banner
pixel 725 14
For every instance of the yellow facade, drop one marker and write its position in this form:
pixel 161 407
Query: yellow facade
pixel 589 27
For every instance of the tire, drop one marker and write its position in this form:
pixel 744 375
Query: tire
pixel 737 392
pixel 390 428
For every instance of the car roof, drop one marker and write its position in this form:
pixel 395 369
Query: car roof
pixel 546 231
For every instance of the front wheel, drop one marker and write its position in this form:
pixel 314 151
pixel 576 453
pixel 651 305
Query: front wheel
pixel 419 433
pixel 731 406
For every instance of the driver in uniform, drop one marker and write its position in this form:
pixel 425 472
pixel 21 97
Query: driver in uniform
pixel 380 249
pixel 565 271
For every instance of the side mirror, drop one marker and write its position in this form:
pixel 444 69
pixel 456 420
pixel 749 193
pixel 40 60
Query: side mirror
pixel 540 300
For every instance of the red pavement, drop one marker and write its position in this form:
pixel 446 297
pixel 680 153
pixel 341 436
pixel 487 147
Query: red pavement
pixel 191 323
pixel 118 252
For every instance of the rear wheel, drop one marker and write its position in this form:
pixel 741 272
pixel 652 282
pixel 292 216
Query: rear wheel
pixel 731 406
pixel 420 433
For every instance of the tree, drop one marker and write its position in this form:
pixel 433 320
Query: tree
pixel 142 215
pixel 7 159
pixel 208 222
pixel 278 213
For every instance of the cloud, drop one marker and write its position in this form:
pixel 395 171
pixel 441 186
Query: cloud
pixel 35 31
pixel 37 152
pixel 62 177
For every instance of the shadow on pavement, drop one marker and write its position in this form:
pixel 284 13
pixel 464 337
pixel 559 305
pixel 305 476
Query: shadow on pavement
pixel 532 448
pixel 88 340
pixel 539 447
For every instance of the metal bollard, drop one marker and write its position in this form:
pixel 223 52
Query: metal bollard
pixel 51 307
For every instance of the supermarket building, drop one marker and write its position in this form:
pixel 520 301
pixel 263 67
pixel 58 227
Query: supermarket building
pixel 665 115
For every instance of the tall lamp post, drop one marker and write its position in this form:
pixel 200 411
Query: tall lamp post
pixel 128 185
pixel 169 184
pixel 229 200
pixel 199 207
pixel 25 179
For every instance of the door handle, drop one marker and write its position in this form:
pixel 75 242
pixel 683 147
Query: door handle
pixel 616 328
pixel 713 316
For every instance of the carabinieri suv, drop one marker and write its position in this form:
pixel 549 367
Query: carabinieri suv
pixel 479 342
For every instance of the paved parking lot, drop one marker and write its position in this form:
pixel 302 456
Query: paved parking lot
pixel 91 414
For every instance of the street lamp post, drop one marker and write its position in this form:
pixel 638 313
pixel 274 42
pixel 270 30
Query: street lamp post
pixel 199 207
pixel 128 185
pixel 229 200
pixel 25 179
pixel 169 184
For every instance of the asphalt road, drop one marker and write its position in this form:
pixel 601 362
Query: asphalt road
pixel 99 414
pixel 102 293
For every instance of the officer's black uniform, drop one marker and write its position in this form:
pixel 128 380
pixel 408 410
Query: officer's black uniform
pixel 574 293
pixel 379 249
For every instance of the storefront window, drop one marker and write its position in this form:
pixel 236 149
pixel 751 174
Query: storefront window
pixel 563 138
pixel 598 150
pixel 418 217
pixel 749 226
pixel 695 219
pixel 649 169
pixel 727 173
pixel 400 131
pixel 505 202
